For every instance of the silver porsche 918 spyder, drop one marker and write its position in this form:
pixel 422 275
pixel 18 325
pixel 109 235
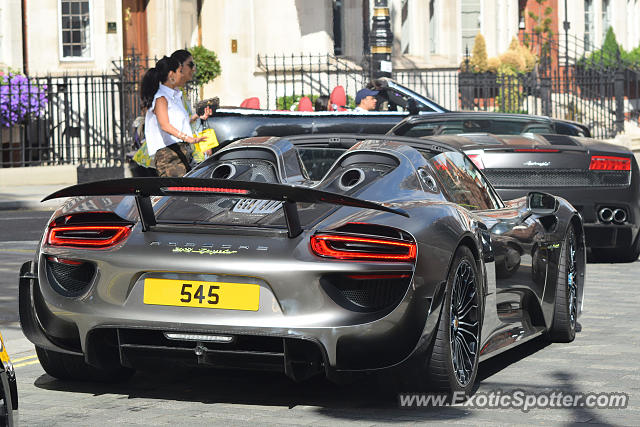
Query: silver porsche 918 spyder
pixel 401 256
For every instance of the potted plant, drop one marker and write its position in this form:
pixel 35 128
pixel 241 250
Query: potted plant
pixel 20 99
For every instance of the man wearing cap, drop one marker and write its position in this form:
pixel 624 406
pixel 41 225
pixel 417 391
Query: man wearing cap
pixel 365 100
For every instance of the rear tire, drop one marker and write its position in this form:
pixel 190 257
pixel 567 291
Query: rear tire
pixel 565 312
pixel 71 367
pixel 453 364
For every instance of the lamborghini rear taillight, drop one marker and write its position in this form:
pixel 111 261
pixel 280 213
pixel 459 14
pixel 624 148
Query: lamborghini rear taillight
pixel 610 163
pixel 362 248
pixel 87 236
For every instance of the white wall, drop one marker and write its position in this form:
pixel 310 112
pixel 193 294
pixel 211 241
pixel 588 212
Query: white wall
pixel 260 27
pixel 44 38
pixel 10 34
pixel 171 25
pixel 499 24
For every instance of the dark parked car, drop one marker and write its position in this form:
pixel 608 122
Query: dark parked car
pixel 402 256
pixel 537 153
pixel 8 389
pixel 395 102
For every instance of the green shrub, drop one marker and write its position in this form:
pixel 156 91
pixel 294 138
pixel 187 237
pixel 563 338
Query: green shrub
pixel 208 67
pixel 285 102
pixel 492 64
pixel 290 102
pixel 510 93
pixel 632 58
pixel 608 56
pixel 478 61
pixel 513 61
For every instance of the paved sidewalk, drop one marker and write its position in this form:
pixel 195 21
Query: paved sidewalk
pixel 29 197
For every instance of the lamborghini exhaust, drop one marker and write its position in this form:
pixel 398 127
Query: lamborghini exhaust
pixel 605 215
pixel 619 216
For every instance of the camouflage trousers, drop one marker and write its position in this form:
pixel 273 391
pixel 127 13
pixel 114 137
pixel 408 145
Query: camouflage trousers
pixel 174 160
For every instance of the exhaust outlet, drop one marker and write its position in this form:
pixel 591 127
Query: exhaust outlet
pixel 619 216
pixel 605 215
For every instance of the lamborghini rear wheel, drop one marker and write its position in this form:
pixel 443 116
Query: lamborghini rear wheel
pixel 71 367
pixel 565 313
pixel 454 359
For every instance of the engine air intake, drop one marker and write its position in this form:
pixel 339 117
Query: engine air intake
pixel 70 278
pixel 367 292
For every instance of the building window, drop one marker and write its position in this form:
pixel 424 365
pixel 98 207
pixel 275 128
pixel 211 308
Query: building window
pixel 75 29
pixel 470 17
pixel 406 29
pixel 522 22
pixel 433 31
pixel 606 17
pixel 589 29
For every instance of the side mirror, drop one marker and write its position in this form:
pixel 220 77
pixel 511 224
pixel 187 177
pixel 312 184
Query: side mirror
pixel 542 203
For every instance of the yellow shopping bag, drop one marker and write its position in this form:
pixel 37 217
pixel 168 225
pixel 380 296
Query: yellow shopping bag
pixel 142 156
pixel 210 142
pixel 200 148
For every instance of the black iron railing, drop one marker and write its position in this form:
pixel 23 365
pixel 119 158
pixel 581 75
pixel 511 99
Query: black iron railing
pixel 559 85
pixel 85 120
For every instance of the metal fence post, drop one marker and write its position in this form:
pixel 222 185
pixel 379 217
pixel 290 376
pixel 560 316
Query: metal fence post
pixel 467 84
pixel 545 96
pixel 618 90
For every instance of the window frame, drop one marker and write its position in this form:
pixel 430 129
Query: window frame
pixel 589 25
pixel 61 56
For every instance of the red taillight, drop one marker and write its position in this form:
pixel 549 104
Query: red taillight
pixel 207 190
pixel 87 236
pixel 610 163
pixel 362 248
pixel 477 160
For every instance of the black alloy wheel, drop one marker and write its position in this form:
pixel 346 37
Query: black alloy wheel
pixel 565 313
pixel 454 359
pixel 464 334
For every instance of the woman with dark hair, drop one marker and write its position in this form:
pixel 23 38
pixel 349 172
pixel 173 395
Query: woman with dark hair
pixel 167 127
pixel 322 103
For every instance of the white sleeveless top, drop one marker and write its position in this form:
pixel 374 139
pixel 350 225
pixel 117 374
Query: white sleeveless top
pixel 178 117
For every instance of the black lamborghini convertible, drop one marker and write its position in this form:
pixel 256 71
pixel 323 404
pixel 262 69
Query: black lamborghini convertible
pixel 401 256
pixel 601 180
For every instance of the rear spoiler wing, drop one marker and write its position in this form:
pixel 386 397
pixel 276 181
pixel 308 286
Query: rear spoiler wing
pixel 144 188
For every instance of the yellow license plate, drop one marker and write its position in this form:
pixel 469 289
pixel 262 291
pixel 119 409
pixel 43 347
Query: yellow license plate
pixel 192 293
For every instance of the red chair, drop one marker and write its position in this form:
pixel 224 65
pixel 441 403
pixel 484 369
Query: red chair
pixel 305 104
pixel 338 99
pixel 253 103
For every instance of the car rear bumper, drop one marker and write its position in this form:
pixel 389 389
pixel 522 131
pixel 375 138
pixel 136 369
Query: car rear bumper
pixel 588 202
pixel 135 338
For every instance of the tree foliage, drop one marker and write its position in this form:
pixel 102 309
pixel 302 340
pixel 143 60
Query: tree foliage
pixel 208 65
pixel 478 61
